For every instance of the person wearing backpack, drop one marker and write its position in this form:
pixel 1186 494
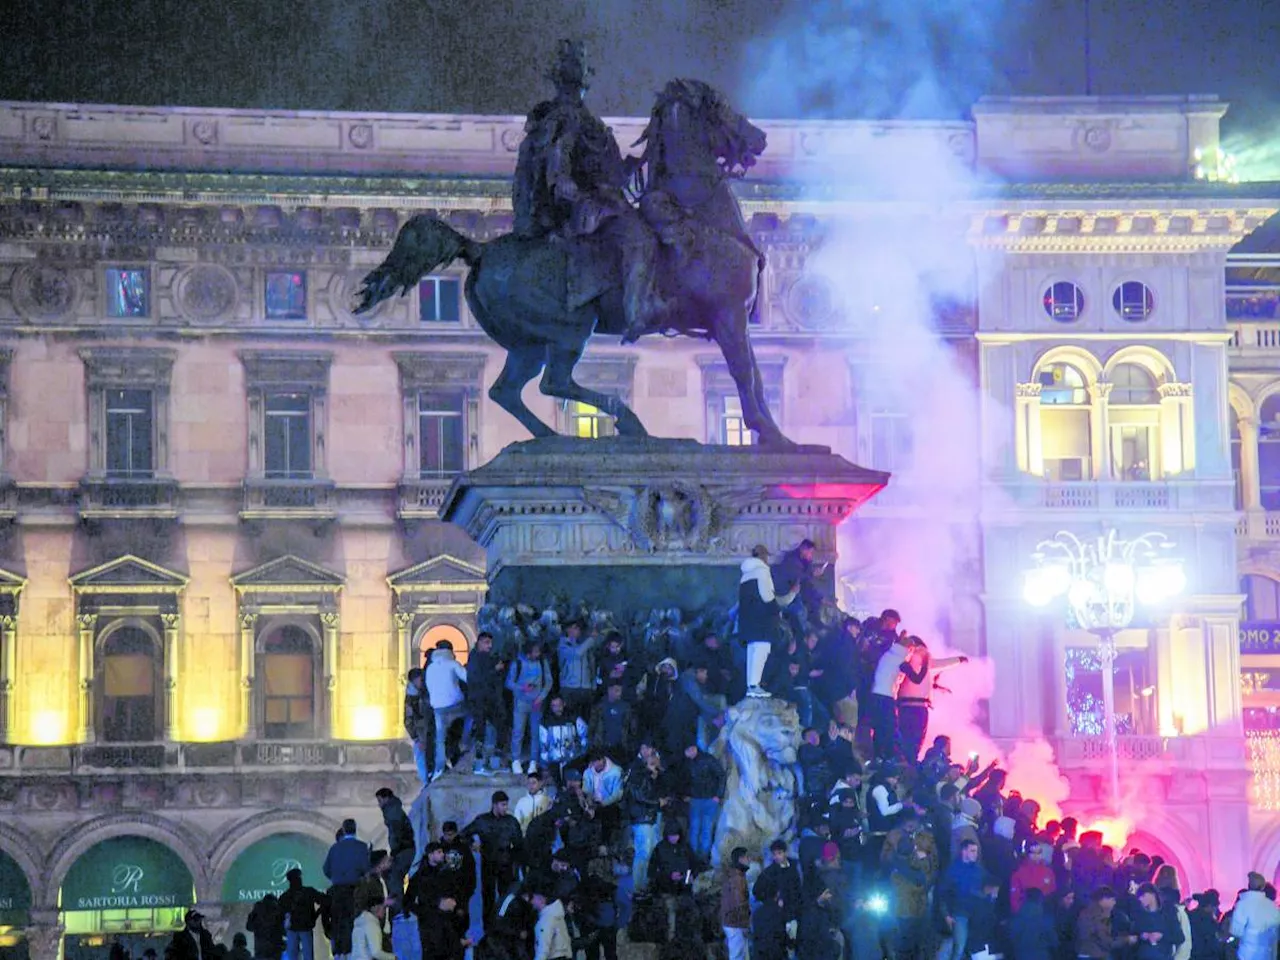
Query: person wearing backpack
pixel 529 680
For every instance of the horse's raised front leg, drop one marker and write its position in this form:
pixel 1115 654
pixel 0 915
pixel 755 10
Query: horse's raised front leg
pixel 558 381
pixel 522 366
pixel 740 357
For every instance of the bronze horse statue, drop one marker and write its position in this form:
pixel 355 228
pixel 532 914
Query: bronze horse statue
pixel 542 299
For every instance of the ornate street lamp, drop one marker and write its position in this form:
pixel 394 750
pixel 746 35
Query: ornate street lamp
pixel 1104 581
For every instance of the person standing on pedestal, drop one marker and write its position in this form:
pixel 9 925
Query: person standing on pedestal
pixel 759 616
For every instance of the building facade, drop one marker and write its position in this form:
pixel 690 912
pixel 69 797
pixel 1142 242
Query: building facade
pixel 220 552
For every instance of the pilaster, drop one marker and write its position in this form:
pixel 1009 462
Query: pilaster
pixel 1099 427
pixel 404 624
pixel 1030 447
pixel 248 625
pixel 1177 433
pixel 172 623
pixel 85 624
pixel 8 669
pixel 1251 487
pixel 329 669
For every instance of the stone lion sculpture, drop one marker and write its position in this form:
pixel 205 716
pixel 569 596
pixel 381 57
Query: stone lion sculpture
pixel 758 749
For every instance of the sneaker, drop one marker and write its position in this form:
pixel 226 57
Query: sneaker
pixel 482 771
pixel 759 693
pixel 531 769
pixel 516 768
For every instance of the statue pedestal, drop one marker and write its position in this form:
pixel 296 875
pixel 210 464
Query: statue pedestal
pixel 631 524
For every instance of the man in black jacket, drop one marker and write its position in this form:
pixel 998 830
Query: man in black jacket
pixel 671 874
pixel 780 881
pixel 301 907
pixel 441 931
pixel 266 923
pixel 501 848
pixel 193 941
pixel 485 677
pixel 401 842
pixel 700 779
pixel 759 616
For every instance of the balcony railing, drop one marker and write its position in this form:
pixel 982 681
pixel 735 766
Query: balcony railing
pixel 422 499
pixel 226 757
pixel 1169 495
pixel 118 498
pixel 268 499
pixel 1259 526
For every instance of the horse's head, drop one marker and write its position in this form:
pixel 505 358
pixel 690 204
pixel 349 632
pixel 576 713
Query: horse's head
pixel 693 112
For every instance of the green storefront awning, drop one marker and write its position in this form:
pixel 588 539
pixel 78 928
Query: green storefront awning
pixel 127 873
pixel 260 869
pixel 15 893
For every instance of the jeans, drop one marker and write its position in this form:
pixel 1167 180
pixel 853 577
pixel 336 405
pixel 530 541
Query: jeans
pixel 644 837
pixel 445 716
pixel 913 725
pixel 953 948
pixel 400 864
pixel 486 727
pixel 420 759
pixel 702 824
pixel 300 944
pixel 884 725
pixel 736 940
pixel 525 715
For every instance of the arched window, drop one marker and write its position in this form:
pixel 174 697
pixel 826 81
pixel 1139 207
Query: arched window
pixel 1236 459
pixel 1065 427
pixel 130 708
pixel 444 631
pixel 288 675
pixel 1134 419
pixel 1269 452
pixel 1261 598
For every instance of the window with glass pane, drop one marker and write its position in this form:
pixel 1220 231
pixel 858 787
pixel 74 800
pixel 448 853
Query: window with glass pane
pixel 1063 301
pixel 128 688
pixel 287 447
pixel 438 299
pixel 441 431
pixel 1131 452
pixel 288 677
pixel 130 415
pixel 1261 598
pixel 733 428
pixel 286 295
pixel 1269 452
pixel 127 292
pixel 1132 384
pixel 588 422
pixel 1061 383
pixel 890 440
pixel 1135 700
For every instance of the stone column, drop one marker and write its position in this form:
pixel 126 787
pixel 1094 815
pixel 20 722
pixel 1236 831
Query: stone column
pixel 248 625
pixel 1177 430
pixel 44 935
pixel 85 623
pixel 1099 426
pixel 329 670
pixel 1250 472
pixel 404 624
pixel 1029 444
pixel 171 621
pixel 8 669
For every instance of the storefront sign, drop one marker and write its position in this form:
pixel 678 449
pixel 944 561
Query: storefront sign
pixel 127 873
pixel 15 893
pixel 1260 636
pixel 261 868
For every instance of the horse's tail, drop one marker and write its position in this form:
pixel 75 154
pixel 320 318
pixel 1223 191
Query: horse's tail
pixel 424 244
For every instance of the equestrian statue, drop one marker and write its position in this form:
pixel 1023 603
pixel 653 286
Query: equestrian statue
pixel 583 258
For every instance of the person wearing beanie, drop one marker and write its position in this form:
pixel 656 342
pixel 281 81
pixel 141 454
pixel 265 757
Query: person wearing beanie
pixel 964 827
pixel 1255 921
pixel 497 833
pixel 735 904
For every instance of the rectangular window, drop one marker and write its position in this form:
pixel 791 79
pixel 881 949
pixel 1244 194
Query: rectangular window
pixel 588 422
pixel 127 292
pixel 890 440
pixel 130 414
pixel 286 295
pixel 733 427
pixel 438 300
pixel 288 698
pixel 287 436
pixel 441 435
pixel 1135 700
pixel 1131 449
pixel 1065 440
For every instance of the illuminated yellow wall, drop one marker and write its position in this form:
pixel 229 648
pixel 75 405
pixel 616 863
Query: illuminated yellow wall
pixel 209 691
pixel 46 692
pixel 369 703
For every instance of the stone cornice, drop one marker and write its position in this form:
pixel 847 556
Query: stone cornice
pixel 1113 229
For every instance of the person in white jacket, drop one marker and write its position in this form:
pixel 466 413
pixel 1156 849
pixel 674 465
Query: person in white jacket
pixel 919 673
pixel 551 940
pixel 444 679
pixel 759 616
pixel 1255 922
pixel 366 935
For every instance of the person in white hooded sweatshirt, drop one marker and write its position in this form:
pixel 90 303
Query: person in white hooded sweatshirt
pixel 759 616
pixel 551 940
pixel 1255 922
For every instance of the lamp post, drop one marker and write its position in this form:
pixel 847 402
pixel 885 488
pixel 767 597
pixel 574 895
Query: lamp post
pixel 1104 581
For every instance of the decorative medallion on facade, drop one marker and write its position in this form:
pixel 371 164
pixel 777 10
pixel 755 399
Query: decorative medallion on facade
pixel 1097 138
pixel 360 135
pixel 43 128
pixel 510 139
pixel 43 292
pixel 811 303
pixel 205 132
pixel 672 517
pixel 206 292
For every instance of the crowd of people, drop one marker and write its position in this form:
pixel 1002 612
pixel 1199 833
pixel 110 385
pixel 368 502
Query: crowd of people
pixel 902 852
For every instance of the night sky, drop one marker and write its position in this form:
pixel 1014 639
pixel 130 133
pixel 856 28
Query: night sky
pixel 858 58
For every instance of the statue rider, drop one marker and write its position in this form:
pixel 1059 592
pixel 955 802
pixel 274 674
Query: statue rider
pixel 569 183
